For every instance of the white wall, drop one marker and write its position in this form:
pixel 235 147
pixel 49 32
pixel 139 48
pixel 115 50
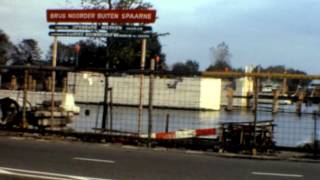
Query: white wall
pixel 191 92
pixel 244 86
pixel 210 95
pixel 35 98
pixel 89 87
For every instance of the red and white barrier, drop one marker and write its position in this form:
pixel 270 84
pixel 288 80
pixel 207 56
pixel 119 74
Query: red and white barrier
pixel 183 134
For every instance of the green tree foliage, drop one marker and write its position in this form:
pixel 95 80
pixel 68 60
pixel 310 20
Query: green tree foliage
pixel 7 48
pixel 221 58
pixel 91 54
pixel 189 67
pixel 119 53
pixel 125 54
pixel 66 54
pixel 27 51
pixel 292 83
pixel 154 49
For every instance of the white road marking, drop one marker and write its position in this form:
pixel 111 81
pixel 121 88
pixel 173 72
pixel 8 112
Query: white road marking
pixel 194 152
pixel 106 145
pixel 4 172
pixel 16 138
pixel 277 174
pixel 37 176
pixel 94 160
pixel 129 147
pixel 43 175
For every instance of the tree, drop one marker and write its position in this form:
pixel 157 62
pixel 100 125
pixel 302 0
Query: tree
pixel 189 67
pixel 7 49
pixel 178 67
pixel 221 58
pixel 91 55
pixel 193 66
pixel 66 54
pixel 292 83
pixel 27 51
pixel 115 4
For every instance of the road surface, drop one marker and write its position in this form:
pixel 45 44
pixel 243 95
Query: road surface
pixel 38 159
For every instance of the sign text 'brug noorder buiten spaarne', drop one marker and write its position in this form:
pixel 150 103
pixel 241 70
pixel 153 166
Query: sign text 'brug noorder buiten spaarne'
pixel 143 16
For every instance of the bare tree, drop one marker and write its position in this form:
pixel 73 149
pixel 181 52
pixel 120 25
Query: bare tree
pixel 220 57
pixel 28 50
pixel 115 4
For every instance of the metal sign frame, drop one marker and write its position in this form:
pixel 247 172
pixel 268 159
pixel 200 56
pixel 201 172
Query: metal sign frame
pixel 99 27
pixel 99 34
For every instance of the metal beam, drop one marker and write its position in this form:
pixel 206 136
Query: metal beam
pixel 214 74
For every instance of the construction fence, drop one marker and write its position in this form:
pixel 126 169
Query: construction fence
pixel 226 111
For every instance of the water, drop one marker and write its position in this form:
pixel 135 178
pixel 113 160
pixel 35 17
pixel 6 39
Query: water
pixel 290 130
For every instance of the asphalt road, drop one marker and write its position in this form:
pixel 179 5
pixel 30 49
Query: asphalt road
pixel 31 159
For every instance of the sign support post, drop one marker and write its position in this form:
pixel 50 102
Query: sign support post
pixel 53 74
pixel 25 97
pixel 150 111
pixel 105 101
pixel 142 64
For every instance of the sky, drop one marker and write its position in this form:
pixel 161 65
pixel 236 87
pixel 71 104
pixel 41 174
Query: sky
pixel 258 32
